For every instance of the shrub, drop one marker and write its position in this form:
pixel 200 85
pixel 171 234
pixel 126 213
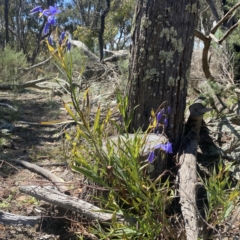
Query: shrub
pixel 10 62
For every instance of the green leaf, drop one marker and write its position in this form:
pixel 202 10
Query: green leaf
pixel 96 121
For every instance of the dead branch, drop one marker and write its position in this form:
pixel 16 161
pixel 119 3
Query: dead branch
pixel 188 170
pixel 225 17
pixel 8 106
pixel 29 84
pixel 58 182
pixel 37 65
pixel 229 32
pixel 18 220
pixel 207 39
pixel 71 203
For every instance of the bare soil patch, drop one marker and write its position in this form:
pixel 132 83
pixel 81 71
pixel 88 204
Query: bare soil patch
pixel 43 145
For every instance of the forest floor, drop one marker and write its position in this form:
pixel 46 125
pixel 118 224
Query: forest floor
pixel 39 145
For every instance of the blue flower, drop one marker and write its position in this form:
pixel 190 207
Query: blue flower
pixel 62 36
pixel 159 116
pixel 51 20
pixel 49 13
pixel 52 11
pixel 46 28
pixel 36 9
pixel 50 41
pixel 151 157
pixel 68 46
pixel 167 147
pixel 165 122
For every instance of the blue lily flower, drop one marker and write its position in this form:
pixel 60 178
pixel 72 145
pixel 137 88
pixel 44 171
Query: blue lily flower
pixel 49 13
pixel 51 20
pixel 68 46
pixel 46 28
pixel 165 122
pixel 36 10
pixel 52 11
pixel 151 157
pixel 159 116
pixel 50 41
pixel 62 36
pixel 165 147
pixel 168 147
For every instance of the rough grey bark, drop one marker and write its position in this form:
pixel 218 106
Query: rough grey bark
pixel 71 203
pixel 188 169
pixel 6 10
pixel 18 220
pixel 162 44
pixel 102 28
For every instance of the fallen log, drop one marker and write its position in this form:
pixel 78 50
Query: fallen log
pixel 18 220
pixel 29 84
pixel 71 203
pixel 188 170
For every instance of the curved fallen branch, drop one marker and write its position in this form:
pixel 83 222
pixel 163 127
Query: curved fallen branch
pixel 18 220
pixel 57 181
pixel 71 203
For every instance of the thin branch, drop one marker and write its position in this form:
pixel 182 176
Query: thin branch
pixel 225 17
pixel 37 65
pixel 29 84
pixel 229 32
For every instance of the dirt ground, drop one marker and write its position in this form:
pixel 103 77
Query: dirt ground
pixel 36 144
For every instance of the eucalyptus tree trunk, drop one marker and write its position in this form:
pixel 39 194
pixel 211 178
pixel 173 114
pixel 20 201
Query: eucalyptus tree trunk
pixel 6 11
pixel 162 45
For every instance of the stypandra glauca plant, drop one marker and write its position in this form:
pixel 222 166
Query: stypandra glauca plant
pixel 114 163
pixel 222 194
pixel 117 166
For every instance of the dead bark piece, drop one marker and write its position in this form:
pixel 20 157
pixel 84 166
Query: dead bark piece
pixel 188 170
pixel 29 84
pixel 18 220
pixel 71 203
pixel 57 181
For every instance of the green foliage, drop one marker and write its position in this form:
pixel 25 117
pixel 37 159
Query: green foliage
pixel 117 27
pixel 117 166
pixel 78 60
pixel 10 61
pixel 118 23
pixel 222 197
pixel 87 36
